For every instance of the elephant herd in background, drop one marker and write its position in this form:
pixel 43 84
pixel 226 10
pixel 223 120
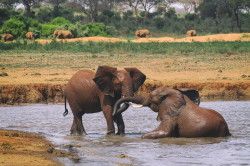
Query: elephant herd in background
pixel 61 34
pixel 65 34
pixel 178 110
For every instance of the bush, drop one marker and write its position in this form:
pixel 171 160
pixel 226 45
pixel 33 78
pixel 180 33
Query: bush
pixel 48 29
pixel 159 22
pixel 59 21
pixel 96 29
pixel 15 27
pixel 191 17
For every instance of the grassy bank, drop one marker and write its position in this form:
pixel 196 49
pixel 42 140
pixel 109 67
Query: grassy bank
pixel 117 47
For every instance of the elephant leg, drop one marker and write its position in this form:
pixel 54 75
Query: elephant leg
pixel 165 129
pixel 120 124
pixel 77 126
pixel 107 111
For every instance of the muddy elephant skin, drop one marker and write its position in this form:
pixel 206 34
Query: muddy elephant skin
pixel 179 115
pixel 7 37
pixel 90 92
pixel 191 33
pixel 142 33
pixel 62 34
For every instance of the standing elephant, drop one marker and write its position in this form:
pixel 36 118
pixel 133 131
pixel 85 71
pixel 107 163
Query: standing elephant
pixel 29 35
pixel 142 33
pixel 179 115
pixel 191 33
pixel 89 92
pixel 62 34
pixel 7 37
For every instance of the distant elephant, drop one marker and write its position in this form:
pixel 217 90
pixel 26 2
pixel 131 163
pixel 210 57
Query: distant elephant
pixel 191 33
pixel 142 33
pixel 89 92
pixel 29 35
pixel 62 34
pixel 7 37
pixel 179 115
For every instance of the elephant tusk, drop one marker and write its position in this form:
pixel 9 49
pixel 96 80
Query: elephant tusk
pixel 135 106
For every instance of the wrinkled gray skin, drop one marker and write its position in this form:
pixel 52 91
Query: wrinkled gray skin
pixel 89 92
pixel 179 115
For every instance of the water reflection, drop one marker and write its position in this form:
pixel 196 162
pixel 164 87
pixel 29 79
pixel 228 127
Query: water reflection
pixel 96 148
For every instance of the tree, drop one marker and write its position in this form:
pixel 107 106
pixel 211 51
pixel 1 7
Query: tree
pixel 208 9
pixel 92 7
pixel 236 7
pixel 147 5
pixel 190 5
pixel 56 6
pixel 133 4
pixel 28 4
pixel 8 3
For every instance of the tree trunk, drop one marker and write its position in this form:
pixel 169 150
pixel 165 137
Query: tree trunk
pixel 27 7
pixel 238 23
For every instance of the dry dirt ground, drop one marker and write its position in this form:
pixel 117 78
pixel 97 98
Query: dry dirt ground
pixel 20 148
pixel 208 38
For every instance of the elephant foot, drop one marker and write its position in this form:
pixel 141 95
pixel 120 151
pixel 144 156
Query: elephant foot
pixel 120 133
pixel 121 130
pixel 76 132
pixel 110 132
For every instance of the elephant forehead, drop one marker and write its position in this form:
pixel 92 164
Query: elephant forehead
pixel 123 75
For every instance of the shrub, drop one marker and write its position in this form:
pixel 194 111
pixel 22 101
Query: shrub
pixel 48 29
pixel 96 29
pixel 15 27
pixel 159 22
pixel 59 21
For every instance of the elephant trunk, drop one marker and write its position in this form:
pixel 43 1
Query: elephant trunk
pixel 128 92
pixel 143 100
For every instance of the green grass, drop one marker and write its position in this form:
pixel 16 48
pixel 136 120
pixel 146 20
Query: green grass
pixel 119 47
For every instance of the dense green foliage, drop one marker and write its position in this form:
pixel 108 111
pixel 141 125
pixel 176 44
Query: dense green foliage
pixel 82 19
pixel 14 27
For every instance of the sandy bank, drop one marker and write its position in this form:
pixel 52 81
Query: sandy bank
pixel 22 148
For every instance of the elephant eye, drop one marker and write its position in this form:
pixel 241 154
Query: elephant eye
pixel 118 84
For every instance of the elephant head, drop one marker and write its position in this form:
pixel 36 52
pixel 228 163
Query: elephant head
pixel 179 115
pixel 55 34
pixel 191 33
pixel 117 83
pixel 174 97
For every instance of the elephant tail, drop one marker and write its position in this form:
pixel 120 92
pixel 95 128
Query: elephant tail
pixel 66 110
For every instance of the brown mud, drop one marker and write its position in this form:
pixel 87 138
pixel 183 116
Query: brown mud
pixel 21 148
pixel 54 93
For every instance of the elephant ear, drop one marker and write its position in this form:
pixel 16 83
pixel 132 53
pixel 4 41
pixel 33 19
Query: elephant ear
pixel 103 79
pixel 192 94
pixel 137 76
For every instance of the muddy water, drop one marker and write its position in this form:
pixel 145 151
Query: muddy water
pixel 100 150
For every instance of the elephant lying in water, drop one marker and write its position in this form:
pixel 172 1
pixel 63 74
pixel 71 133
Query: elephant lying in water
pixel 179 115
